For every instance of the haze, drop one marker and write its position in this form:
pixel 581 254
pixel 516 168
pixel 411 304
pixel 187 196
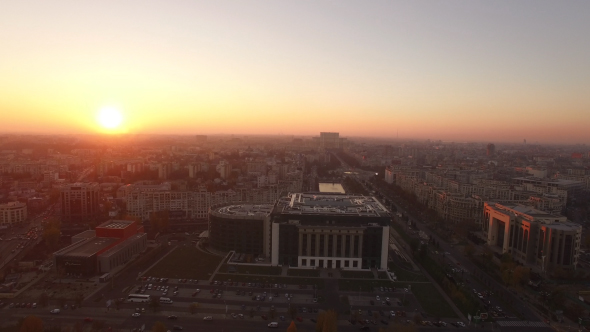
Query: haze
pixel 451 70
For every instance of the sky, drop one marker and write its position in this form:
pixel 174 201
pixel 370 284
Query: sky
pixel 500 71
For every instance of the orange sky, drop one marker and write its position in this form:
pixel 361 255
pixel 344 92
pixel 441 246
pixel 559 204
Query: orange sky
pixel 453 71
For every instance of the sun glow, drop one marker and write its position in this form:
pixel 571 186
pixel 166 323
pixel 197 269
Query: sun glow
pixel 110 118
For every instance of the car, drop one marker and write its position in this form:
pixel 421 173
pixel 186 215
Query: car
pixel 313 320
pixel 208 318
pixel 315 300
pixel 377 298
pixel 263 317
pixel 365 328
pixel 474 291
pixel 135 314
pixel 282 318
pixel 384 322
pixel 460 324
pixel 87 320
pixel 177 327
pixel 172 317
pixel 55 311
pixel 273 324
pixel 299 319
pixel 240 316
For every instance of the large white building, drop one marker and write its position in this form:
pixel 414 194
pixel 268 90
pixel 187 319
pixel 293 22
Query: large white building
pixel 12 213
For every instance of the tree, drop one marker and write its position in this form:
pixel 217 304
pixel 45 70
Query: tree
pixel 51 236
pixel 98 325
pixel 193 307
pixel 31 324
pixel 469 249
pixel 292 327
pixel 43 300
pixel 159 220
pixel 80 298
pixel 159 327
pixel 292 311
pixel 319 325
pixel 330 321
pixel 155 303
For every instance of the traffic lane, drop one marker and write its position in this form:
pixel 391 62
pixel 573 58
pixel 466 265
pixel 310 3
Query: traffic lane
pixel 524 310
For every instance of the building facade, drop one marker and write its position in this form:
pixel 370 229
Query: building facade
pixel 533 237
pixel 111 244
pixel 244 228
pixel 79 202
pixel 13 213
pixel 330 231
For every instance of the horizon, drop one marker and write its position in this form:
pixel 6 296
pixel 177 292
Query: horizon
pixel 453 71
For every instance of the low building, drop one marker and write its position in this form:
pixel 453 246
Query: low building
pixel 12 213
pixel 244 228
pixel 533 237
pixel 111 244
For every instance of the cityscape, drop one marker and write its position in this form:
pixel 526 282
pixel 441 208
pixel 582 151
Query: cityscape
pixel 330 166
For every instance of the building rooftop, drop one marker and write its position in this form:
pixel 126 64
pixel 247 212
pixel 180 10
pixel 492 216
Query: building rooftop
pixel 331 204
pixel 253 210
pixel 115 224
pixel 88 247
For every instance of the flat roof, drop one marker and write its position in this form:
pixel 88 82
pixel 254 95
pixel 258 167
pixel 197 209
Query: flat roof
pixel 90 247
pixel 252 210
pixel 330 187
pixel 115 224
pixel 331 204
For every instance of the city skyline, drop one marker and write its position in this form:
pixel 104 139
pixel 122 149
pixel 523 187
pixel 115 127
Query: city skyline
pixel 454 71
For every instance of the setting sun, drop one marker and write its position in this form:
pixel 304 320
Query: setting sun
pixel 110 118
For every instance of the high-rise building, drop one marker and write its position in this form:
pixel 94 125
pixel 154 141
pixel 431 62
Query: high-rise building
pixel 79 202
pixel 491 149
pixel 329 140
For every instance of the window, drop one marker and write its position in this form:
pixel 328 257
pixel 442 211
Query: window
pixel 304 262
pixel 312 262
pixel 346 264
pixel 355 264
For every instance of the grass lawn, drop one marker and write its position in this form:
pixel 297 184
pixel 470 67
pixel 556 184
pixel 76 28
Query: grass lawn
pixel 405 275
pixel 186 262
pixel 253 269
pixel 303 273
pixel 270 279
pixel 431 300
pixel 357 274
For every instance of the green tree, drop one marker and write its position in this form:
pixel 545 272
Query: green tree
pixel 159 327
pixel 31 324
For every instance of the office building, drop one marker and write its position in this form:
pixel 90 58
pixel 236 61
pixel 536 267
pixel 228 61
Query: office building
pixel 531 236
pixel 13 213
pixel 110 245
pixel 312 230
pixel 79 202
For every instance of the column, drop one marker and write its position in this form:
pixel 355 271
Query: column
pixel 326 244
pixel 360 245
pixel 317 244
pixel 300 248
pixel 334 243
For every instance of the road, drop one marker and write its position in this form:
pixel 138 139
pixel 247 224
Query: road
pixel 523 309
